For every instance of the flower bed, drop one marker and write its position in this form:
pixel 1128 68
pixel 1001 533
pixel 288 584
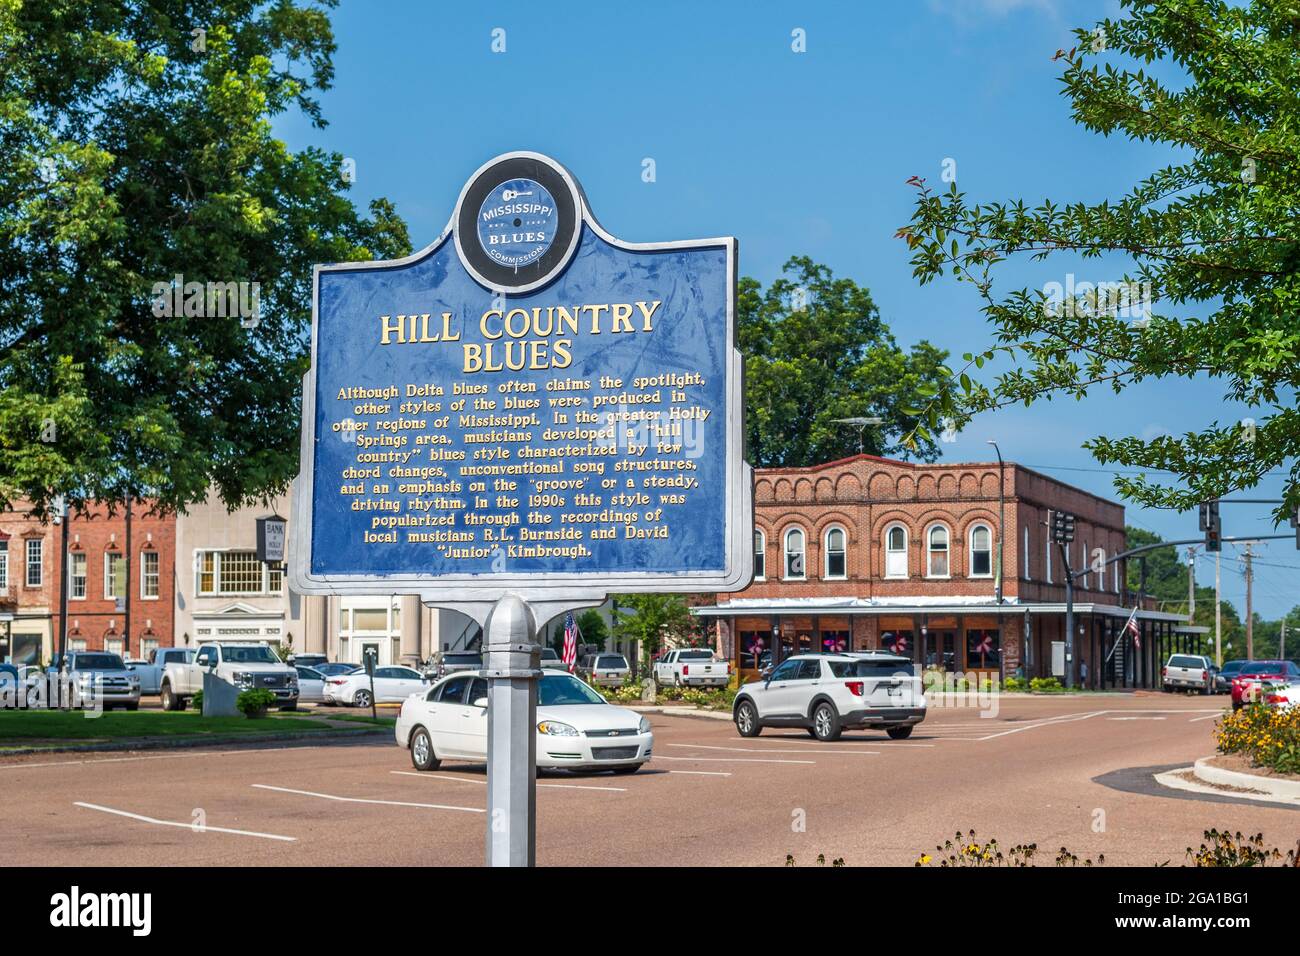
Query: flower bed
pixel 1267 737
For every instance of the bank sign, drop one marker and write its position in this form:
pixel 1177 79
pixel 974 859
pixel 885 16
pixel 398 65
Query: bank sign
pixel 526 405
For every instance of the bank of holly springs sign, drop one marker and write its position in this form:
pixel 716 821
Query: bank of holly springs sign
pixel 527 406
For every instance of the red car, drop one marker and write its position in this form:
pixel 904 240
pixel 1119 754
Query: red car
pixel 1257 673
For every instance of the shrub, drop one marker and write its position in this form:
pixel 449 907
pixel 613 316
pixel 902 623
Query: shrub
pixel 1015 684
pixel 1267 736
pixel 197 702
pixel 253 703
pixel 1046 685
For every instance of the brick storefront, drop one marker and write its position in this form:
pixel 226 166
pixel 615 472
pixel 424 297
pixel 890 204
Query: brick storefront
pixel 869 552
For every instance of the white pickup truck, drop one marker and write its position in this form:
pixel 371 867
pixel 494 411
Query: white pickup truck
pixel 692 667
pixel 247 665
pixel 151 671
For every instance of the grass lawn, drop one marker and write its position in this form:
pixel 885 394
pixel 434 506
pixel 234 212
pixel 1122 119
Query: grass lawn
pixel 367 719
pixel 23 727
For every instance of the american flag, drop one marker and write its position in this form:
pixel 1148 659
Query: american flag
pixel 1132 628
pixel 570 642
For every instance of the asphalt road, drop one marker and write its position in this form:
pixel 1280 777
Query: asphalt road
pixel 708 797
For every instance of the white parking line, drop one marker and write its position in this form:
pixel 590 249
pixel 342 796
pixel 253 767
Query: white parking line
pixel 702 773
pixel 387 803
pixel 731 759
pixel 442 776
pixel 1207 717
pixel 775 750
pixel 1135 718
pixel 184 826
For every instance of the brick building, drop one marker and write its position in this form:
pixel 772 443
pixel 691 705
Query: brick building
pixel 868 553
pixel 29 592
pixel 121 580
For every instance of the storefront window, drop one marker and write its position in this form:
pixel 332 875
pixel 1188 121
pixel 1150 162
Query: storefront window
pixel 835 642
pixel 755 649
pixel 983 649
pixel 897 642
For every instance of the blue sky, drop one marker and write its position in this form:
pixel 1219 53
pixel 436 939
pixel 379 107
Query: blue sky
pixel 794 153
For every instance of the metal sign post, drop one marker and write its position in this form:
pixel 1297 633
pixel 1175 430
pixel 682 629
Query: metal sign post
pixel 516 421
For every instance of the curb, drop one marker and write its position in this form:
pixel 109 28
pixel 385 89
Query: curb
pixel 1284 789
pixel 164 744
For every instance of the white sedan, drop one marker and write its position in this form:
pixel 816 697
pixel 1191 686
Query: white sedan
pixel 1282 696
pixel 311 684
pixel 391 684
pixel 576 728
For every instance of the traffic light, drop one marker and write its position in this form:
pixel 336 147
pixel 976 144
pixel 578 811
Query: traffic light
pixel 1209 523
pixel 1295 523
pixel 1062 527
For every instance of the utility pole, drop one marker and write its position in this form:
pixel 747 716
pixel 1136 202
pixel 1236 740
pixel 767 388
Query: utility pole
pixel 65 514
pixel 1250 614
pixel 1281 641
pixel 126 622
pixel 1191 585
pixel 1218 615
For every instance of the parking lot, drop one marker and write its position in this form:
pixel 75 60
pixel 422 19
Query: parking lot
pixel 708 796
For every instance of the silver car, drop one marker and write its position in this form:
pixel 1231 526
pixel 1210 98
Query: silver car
pixel 605 670
pixel 106 677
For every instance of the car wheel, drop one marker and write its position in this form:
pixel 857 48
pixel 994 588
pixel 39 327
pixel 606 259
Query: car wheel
pixel 747 724
pixel 899 733
pixel 826 723
pixel 677 680
pixel 422 753
pixel 289 707
pixel 361 698
pixel 168 698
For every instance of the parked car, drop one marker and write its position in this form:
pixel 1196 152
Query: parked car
pixel 391 684
pixel 604 670
pixel 308 660
pixel 1282 696
pixel 1189 672
pixel 336 669
pixel 311 684
pixel 18 684
pixel 105 676
pixel 246 664
pixel 1223 679
pixel 1256 675
pixel 151 671
pixel 691 667
pixel 552 660
pixel 830 693
pixel 576 728
pixel 451 662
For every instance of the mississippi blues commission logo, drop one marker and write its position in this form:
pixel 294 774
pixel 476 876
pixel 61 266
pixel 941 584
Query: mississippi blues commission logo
pixel 517 223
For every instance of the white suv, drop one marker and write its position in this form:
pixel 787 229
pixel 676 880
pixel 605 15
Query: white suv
pixel 829 693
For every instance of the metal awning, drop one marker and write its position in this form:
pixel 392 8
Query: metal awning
pixel 859 607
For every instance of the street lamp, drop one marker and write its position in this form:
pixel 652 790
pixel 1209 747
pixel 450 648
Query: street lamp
pixel 861 424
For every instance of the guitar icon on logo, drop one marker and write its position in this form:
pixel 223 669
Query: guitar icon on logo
pixel 509 194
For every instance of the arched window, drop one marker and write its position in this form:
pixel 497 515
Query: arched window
pixel 981 551
pixel 937 552
pixel 896 552
pixel 794 547
pixel 760 556
pixel 834 546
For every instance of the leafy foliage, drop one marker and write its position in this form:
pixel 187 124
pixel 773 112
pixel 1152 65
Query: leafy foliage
pixel 1214 236
pixel 816 350
pixel 652 619
pixel 137 146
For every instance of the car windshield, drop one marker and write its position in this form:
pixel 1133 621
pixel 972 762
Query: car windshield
pixel 1182 660
pixel 98 662
pixel 1231 667
pixel 1264 667
pixel 695 655
pixel 611 661
pixel 868 668
pixel 548 654
pixel 261 654
pixel 565 689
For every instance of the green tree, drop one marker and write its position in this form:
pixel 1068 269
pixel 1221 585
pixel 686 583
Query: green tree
pixel 816 350
pixel 136 146
pixel 592 627
pixel 1214 237
pixel 652 619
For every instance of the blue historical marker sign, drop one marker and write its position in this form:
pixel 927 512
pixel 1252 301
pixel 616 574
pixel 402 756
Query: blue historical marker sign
pixel 526 405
